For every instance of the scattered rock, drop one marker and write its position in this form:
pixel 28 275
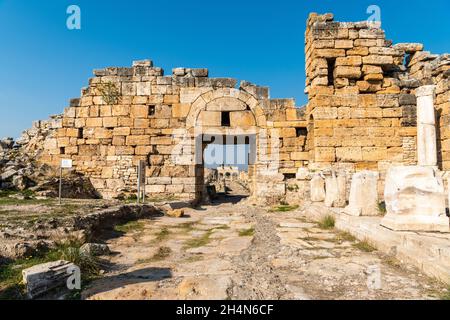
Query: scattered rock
pixel 177 213
pixel 95 249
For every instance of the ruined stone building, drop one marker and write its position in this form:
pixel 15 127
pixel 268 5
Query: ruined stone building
pixel 361 114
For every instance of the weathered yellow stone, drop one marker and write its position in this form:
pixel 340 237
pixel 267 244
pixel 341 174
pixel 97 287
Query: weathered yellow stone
pixel 299 155
pixel 120 110
pixel 141 123
pixel 94 122
pixel 171 99
pixel 180 110
pixel 82 112
pixel 373 77
pixel 125 122
pixel 110 122
pixel 329 53
pixel 105 111
pixel 343 44
pixel 349 154
pixel 143 150
pixel 138 140
pixel 210 118
pixel 119 140
pixel 139 111
pixel 347 72
pixel 121 131
pixel 242 119
pixel 374 153
pixel 72 132
pixel 358 51
pixel 102 133
pixel 324 154
pixel 349 61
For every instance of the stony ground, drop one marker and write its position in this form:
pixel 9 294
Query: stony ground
pixel 240 251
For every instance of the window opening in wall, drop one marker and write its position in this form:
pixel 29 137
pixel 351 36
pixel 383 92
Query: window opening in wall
pixel 330 64
pixel 151 110
pixel 62 150
pixel 300 131
pixel 225 119
pixel 288 176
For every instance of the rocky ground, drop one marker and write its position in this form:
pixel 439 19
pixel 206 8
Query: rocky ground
pixel 30 226
pixel 241 251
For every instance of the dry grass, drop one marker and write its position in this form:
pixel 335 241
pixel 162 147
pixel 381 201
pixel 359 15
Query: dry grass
pixel 364 246
pixel 327 222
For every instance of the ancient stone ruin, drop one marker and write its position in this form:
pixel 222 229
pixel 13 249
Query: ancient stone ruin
pixel 372 105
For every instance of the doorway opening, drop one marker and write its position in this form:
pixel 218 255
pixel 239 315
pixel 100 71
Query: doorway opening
pixel 226 167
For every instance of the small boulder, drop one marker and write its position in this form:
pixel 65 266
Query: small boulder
pixel 95 249
pixel 177 213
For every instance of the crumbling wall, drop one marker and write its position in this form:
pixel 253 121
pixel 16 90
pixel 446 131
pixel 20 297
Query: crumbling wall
pixel 361 90
pixel 131 114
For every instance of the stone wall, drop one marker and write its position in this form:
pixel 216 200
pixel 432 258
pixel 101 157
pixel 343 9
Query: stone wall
pixel 132 114
pixel 361 88
pixel 361 115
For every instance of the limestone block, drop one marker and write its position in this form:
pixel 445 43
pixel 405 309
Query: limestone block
pixel 349 61
pixel 45 277
pixel 343 44
pixel 325 154
pixel 210 118
pixel 226 104
pixel 242 119
pixel 118 140
pixel 110 122
pixel 94 122
pixel 171 99
pixel 415 200
pixel 335 190
pixel 138 140
pixel 288 132
pixel 142 123
pixel 349 154
pixel 200 72
pixel 180 110
pixel 374 77
pixel 128 88
pixel 121 131
pixel 368 69
pixel 365 42
pixel 317 186
pixel 189 95
pixel 120 110
pixel 143 88
pixel 347 72
pixel 363 200
pixel 358 51
pixel 155 188
pixel 139 111
pixel 378 60
pixel 329 53
pixel 409 47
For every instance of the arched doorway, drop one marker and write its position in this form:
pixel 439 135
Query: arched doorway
pixel 226 117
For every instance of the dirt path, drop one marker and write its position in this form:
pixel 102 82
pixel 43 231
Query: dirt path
pixel 243 252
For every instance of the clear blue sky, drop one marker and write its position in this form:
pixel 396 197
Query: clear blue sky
pixel 43 64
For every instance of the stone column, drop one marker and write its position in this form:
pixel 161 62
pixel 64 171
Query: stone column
pixel 426 129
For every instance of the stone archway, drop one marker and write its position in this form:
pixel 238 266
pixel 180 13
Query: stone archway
pixel 206 117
